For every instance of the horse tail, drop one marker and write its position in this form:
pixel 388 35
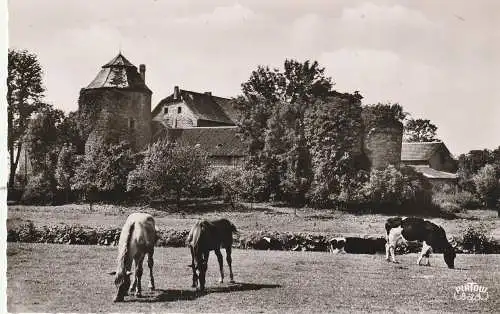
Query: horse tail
pixel 124 244
pixel 233 228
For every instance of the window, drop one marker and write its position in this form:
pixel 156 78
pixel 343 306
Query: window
pixel 131 124
pixel 165 110
pixel 179 109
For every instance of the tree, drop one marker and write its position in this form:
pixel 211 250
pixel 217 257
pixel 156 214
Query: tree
pixel 272 110
pixel 298 83
pixel 333 129
pixel 487 185
pixel 169 169
pixel 104 171
pixel 24 92
pixel 419 130
pixel 42 137
pixel 65 168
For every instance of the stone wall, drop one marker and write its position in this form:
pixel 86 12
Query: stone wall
pixel 118 115
pixel 382 146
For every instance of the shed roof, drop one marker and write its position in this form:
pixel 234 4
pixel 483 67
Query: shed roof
pixel 118 73
pixel 203 105
pixel 431 173
pixel 217 141
pixel 419 151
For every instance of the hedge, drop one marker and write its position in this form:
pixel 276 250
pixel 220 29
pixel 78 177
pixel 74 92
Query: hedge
pixel 262 240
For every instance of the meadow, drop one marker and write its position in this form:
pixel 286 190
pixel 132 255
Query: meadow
pixel 72 278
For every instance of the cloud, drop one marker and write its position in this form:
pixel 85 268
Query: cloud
pixel 395 15
pixel 222 15
pixel 379 75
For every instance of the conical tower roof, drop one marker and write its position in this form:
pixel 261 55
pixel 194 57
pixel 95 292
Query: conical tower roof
pixel 119 73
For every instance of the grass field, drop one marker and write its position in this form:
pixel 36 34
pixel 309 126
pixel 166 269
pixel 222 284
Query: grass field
pixel 262 217
pixel 66 278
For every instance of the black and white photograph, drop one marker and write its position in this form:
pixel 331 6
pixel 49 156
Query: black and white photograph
pixel 250 156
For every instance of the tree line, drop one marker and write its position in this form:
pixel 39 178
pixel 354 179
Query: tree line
pixel 302 137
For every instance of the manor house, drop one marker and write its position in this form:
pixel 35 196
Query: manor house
pixel 119 102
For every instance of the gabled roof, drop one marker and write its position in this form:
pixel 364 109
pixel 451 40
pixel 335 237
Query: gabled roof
pixel 217 141
pixel 119 73
pixel 420 151
pixel 431 173
pixel 203 105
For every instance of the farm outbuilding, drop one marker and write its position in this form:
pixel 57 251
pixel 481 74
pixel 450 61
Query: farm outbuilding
pixel 433 160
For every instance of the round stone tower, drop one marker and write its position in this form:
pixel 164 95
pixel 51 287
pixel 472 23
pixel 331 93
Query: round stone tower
pixel 116 106
pixel 382 146
pixel 382 138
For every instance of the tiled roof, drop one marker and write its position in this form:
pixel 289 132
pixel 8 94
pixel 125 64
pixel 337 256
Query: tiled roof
pixel 419 151
pixel 118 73
pixel 217 141
pixel 430 173
pixel 204 106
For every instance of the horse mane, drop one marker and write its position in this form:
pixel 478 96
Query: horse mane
pixel 123 247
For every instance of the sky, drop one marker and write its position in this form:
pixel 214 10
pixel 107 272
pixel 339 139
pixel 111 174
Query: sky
pixel 439 59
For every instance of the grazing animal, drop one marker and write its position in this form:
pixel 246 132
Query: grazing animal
pixel 206 236
pixel 137 238
pixel 337 245
pixel 417 229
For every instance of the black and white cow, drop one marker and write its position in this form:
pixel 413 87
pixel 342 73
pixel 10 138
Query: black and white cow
pixel 417 229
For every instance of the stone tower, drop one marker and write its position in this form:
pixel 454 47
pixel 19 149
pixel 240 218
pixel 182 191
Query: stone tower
pixel 382 145
pixel 116 106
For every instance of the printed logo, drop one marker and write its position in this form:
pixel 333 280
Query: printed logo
pixel 471 292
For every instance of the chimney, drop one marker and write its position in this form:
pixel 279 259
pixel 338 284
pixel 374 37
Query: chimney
pixel 142 71
pixel 176 92
pixel 208 93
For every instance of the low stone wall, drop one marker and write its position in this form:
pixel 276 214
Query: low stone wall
pixel 263 240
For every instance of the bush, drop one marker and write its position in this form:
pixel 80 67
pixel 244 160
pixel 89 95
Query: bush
pixel 169 170
pixel 455 202
pixel 40 189
pixel 229 182
pixel 487 185
pixel 474 240
pixel 401 191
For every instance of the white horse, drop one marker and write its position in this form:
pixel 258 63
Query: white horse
pixel 138 238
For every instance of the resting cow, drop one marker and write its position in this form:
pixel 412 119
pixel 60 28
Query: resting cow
pixel 417 229
pixel 206 236
pixel 137 238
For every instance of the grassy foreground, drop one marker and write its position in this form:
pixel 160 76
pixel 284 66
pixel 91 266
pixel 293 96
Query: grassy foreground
pixel 70 278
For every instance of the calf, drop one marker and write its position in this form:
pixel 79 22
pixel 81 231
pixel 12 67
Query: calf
pixel 337 245
pixel 417 229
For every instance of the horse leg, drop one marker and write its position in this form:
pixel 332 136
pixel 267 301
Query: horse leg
pixel 134 280
pixel 193 268
pixel 221 266
pixel 229 261
pixel 138 275
pixel 150 265
pixel 203 270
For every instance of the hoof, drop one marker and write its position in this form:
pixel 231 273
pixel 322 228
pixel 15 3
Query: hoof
pixel 118 299
pixel 138 295
pixel 221 280
pixel 232 281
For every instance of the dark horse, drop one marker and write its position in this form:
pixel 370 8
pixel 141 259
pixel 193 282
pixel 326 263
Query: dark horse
pixel 417 229
pixel 206 236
